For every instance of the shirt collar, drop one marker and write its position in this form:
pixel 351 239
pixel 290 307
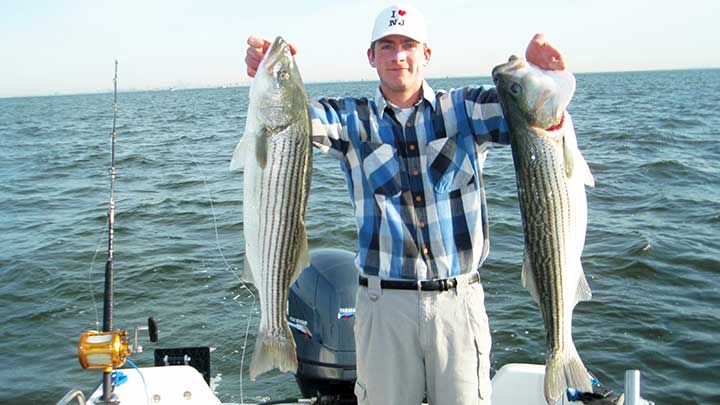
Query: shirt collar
pixel 428 94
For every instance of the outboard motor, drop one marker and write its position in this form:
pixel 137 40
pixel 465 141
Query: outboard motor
pixel 321 313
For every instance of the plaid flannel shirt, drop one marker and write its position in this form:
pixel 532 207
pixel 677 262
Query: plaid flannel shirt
pixel 417 189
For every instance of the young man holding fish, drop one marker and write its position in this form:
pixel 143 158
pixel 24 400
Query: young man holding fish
pixel 413 161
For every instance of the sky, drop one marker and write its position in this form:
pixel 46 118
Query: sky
pixel 66 47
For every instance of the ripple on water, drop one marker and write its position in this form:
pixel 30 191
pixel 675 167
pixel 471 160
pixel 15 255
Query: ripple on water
pixel 651 253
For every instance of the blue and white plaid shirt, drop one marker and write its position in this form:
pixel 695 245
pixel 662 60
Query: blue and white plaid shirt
pixel 417 189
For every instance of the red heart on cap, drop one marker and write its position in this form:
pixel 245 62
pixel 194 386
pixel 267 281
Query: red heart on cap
pixel 401 12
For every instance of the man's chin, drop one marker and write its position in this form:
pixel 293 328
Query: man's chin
pixel 401 83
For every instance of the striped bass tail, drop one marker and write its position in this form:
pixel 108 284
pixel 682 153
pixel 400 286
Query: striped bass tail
pixel 274 352
pixel 565 369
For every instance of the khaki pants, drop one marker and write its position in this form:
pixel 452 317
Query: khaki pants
pixel 409 342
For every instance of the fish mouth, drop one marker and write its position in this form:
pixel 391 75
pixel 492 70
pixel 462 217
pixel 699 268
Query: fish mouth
pixel 278 49
pixel 540 108
pixel 511 67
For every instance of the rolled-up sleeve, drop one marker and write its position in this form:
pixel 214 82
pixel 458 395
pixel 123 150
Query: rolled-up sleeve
pixel 485 114
pixel 329 133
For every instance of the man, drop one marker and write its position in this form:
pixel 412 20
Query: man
pixel 412 158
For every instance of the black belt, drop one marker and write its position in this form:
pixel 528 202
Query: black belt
pixel 440 284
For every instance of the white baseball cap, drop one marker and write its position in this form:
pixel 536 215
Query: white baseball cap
pixel 400 19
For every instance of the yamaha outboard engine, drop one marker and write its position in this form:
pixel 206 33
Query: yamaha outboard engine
pixel 321 313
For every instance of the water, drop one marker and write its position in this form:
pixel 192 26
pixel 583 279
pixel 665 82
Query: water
pixel 651 254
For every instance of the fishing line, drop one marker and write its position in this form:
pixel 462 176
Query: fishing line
pixel 228 267
pixel 133 365
pixel 108 227
pixel 212 210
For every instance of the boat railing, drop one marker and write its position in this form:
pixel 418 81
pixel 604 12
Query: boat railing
pixel 632 389
pixel 73 395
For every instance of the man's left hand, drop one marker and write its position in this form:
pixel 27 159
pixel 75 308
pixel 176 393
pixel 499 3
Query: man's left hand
pixel 543 55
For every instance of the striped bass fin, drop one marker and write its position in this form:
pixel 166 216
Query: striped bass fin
pixel 247 143
pixel 566 369
pixel 274 352
pixel 303 255
pixel 526 278
pixel 254 140
pixel 575 164
pixel 246 275
pixel 582 293
pixel 261 147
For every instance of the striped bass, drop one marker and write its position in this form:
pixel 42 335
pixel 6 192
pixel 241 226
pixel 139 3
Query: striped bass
pixel 551 176
pixel 275 154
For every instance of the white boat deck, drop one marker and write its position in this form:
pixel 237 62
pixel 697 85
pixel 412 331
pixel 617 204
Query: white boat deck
pixel 513 384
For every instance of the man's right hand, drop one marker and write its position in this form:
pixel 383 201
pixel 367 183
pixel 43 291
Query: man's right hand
pixel 257 46
pixel 543 55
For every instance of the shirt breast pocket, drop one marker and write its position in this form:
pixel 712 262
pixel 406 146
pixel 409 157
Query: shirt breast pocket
pixel 449 166
pixel 381 167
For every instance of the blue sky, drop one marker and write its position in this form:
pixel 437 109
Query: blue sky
pixel 49 47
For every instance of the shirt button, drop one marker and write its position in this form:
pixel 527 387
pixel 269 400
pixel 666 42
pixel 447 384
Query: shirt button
pixel 409 124
pixel 415 172
pixel 418 198
pixel 412 146
pixel 422 224
pixel 425 251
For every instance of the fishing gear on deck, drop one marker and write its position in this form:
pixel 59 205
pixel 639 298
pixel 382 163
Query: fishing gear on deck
pixel 108 349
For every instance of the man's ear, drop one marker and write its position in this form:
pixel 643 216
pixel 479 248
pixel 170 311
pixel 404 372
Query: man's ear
pixel 371 57
pixel 427 52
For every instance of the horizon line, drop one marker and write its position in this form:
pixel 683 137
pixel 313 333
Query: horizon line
pixel 240 85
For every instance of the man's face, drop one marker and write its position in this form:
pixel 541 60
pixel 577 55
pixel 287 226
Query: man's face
pixel 399 62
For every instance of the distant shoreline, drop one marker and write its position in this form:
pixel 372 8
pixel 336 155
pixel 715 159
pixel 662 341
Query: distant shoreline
pixel 238 85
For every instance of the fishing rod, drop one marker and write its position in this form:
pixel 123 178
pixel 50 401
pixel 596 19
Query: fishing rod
pixel 108 296
pixel 108 349
pixel 108 300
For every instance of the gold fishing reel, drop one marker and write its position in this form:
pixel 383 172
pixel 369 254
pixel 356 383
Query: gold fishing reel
pixel 108 350
pixel 103 350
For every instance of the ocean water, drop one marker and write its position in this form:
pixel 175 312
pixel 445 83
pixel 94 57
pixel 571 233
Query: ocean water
pixel 651 254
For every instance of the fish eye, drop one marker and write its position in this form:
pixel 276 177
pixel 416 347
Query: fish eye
pixel 515 89
pixel 283 75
